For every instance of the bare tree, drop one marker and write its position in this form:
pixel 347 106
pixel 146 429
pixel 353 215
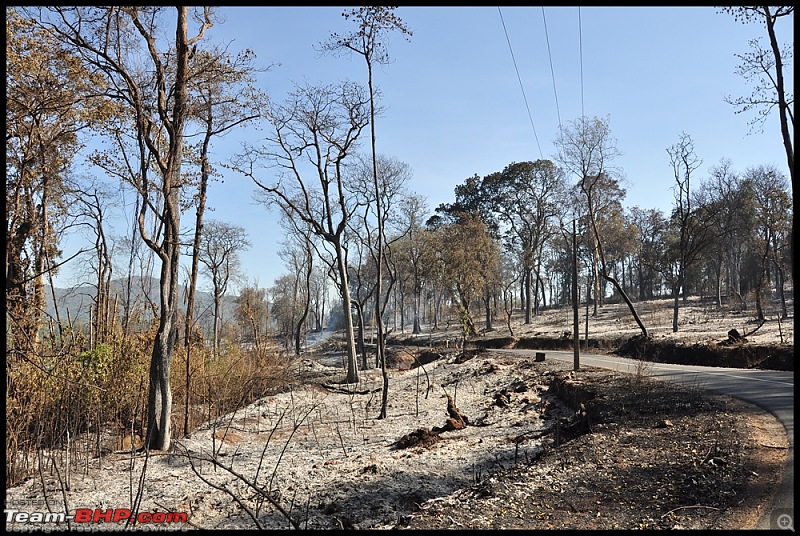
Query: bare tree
pixel 765 69
pixel 734 215
pixel 318 294
pixel 586 149
pixel 369 40
pixel 417 248
pixel 509 274
pixel 219 253
pixel 222 97
pixel 95 201
pixel 299 253
pixel 691 221
pixel 367 230
pixel 313 134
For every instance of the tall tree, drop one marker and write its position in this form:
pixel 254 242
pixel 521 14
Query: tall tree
pixel 298 253
pixel 95 201
pixel 586 149
pixel 765 69
pixel 416 251
pixel 374 24
pixel 219 253
pixel 51 99
pixel 222 97
pixel 773 210
pixel 691 221
pixel 318 127
pixel 471 197
pixel 649 226
pixel 525 198
pixel 367 230
pixel 733 220
pixel 152 84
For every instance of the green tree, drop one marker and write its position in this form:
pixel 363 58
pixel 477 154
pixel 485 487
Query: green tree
pixel 525 198
pixel 649 226
pixel 734 219
pixel 773 211
pixel 470 256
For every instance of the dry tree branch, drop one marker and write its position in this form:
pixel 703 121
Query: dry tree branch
pixel 261 492
pixel 231 493
pixel 745 335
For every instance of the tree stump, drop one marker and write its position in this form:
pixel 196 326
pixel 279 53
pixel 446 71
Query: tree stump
pixel 456 421
pixel 735 336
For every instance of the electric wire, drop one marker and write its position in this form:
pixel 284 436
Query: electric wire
pixel 580 52
pixel 525 98
pixel 552 72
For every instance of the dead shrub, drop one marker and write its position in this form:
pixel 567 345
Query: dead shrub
pixel 67 405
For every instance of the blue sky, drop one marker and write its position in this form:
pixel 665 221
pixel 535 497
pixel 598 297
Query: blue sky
pixel 455 108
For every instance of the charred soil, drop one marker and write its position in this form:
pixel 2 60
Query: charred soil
pixel 637 454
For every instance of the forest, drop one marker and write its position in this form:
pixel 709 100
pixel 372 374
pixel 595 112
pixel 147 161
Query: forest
pixel 148 353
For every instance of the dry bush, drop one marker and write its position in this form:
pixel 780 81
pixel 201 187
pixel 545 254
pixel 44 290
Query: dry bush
pixel 219 386
pixel 52 401
pixel 71 407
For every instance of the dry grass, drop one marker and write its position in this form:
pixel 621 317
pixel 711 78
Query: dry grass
pixel 73 406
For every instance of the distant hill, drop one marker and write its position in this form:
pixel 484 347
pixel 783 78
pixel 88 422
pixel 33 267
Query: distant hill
pixel 74 303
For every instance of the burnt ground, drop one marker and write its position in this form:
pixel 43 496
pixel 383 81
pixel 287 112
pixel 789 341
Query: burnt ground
pixel 639 454
pixel 529 445
pixel 644 455
pixel 728 353
pixel 473 440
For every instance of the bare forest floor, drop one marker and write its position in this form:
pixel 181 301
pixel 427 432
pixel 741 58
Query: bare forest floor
pixel 700 324
pixel 474 439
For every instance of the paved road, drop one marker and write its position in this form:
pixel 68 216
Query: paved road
pixel 768 389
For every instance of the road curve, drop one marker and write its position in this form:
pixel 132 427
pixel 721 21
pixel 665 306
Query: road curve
pixel 771 390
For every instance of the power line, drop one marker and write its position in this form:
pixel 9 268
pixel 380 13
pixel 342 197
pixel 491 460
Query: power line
pixel 552 73
pixel 580 49
pixel 541 155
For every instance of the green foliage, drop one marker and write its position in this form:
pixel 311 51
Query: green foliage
pixel 465 321
pixel 98 362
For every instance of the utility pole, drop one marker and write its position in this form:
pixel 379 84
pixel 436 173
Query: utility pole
pixel 576 342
